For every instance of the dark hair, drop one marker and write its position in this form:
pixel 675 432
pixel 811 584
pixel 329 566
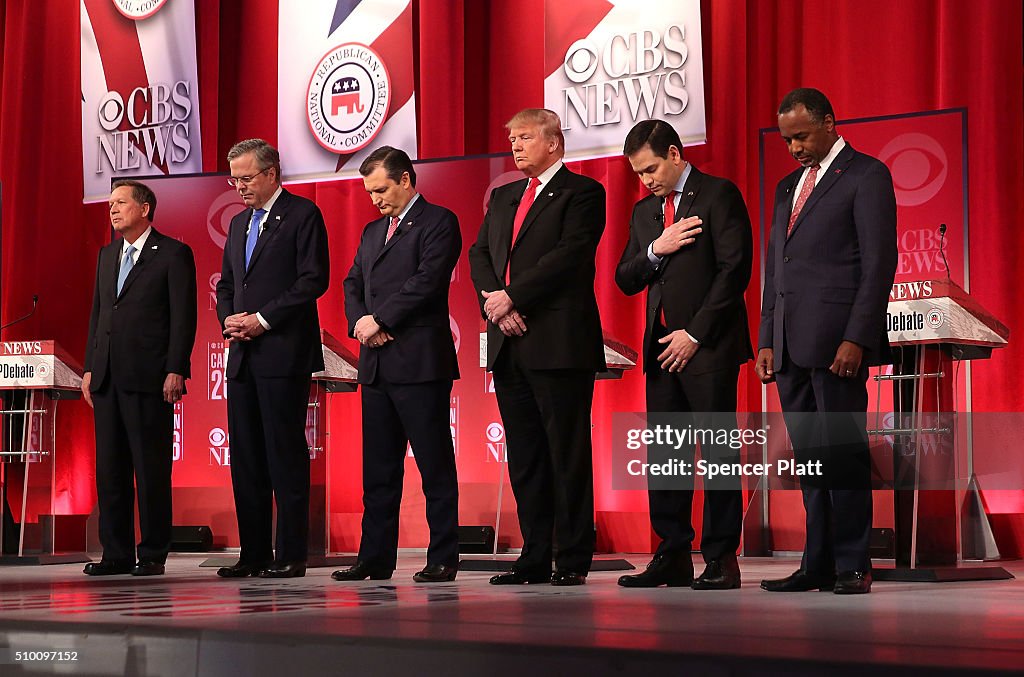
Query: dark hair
pixel 816 103
pixel 395 162
pixel 141 193
pixel 657 134
pixel 266 155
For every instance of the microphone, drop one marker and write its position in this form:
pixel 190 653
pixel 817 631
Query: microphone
pixel 35 302
pixel 659 217
pixel 515 202
pixel 942 249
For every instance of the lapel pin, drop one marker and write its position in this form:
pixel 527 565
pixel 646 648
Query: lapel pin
pixel 551 194
pixel 277 218
pixel 153 247
pixel 690 194
pixel 839 171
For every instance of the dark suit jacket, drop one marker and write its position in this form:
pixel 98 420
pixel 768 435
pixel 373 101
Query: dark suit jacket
pixel 289 270
pixel 700 286
pixel 829 281
pixel 405 284
pixel 138 337
pixel 552 270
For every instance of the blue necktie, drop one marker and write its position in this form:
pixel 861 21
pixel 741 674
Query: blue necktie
pixel 127 263
pixel 254 234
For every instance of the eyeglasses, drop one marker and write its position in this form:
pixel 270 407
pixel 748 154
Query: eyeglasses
pixel 235 181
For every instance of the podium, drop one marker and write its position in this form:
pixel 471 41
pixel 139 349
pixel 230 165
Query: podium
pixel 34 377
pixel 619 358
pixel 338 376
pixel 934 324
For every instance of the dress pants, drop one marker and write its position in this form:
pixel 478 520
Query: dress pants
pixel 671 508
pixel 270 462
pixel 838 505
pixel 395 415
pixel 134 443
pixel 546 415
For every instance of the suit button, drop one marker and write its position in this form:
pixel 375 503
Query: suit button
pixel 785 259
pixel 781 294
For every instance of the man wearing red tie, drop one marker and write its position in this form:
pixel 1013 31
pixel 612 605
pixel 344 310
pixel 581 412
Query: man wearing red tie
pixel 533 266
pixel 831 261
pixel 690 246
pixel 396 301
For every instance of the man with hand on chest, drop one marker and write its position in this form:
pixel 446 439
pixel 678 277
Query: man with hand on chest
pixel 690 246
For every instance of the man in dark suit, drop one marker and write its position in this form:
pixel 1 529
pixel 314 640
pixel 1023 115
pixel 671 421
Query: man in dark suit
pixel 831 261
pixel 396 300
pixel 276 265
pixel 690 246
pixel 533 266
pixel 137 357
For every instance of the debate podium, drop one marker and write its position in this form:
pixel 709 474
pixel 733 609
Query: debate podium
pixel 934 325
pixel 338 376
pixel 35 376
pixel 619 358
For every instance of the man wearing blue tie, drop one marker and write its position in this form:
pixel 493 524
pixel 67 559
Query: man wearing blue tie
pixel 275 267
pixel 137 357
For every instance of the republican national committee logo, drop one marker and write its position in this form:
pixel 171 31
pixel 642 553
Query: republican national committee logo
pixel 348 98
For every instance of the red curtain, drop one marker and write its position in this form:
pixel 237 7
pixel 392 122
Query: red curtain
pixel 476 64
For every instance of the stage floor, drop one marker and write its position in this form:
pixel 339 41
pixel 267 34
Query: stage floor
pixel 190 622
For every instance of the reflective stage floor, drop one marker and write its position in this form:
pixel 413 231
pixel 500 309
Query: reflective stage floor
pixel 189 622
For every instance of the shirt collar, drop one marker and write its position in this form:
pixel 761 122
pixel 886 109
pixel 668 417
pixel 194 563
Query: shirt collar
pixel 682 178
pixel 838 146
pixel 408 206
pixel 549 173
pixel 273 198
pixel 139 243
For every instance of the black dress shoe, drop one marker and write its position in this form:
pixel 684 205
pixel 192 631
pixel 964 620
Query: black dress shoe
pixel 853 583
pixel 148 568
pixel 518 577
pixel 436 573
pixel 564 578
pixel 671 570
pixel 719 574
pixel 284 570
pixel 241 570
pixel 799 581
pixel 363 570
pixel 107 567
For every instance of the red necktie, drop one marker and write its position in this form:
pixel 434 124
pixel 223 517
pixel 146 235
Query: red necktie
pixel 517 224
pixel 391 229
pixel 805 192
pixel 670 208
pixel 670 218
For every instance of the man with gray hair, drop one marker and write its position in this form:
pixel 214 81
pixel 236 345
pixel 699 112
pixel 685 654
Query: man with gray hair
pixel 533 267
pixel 276 266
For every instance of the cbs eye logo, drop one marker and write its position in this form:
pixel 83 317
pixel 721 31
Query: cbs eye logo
pixel 218 437
pixel 919 167
pixel 495 432
pixel 218 217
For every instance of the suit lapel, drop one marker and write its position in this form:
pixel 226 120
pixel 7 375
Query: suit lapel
pixel 149 251
pixel 690 190
pixel 408 222
pixel 275 220
pixel 834 172
pixel 545 195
